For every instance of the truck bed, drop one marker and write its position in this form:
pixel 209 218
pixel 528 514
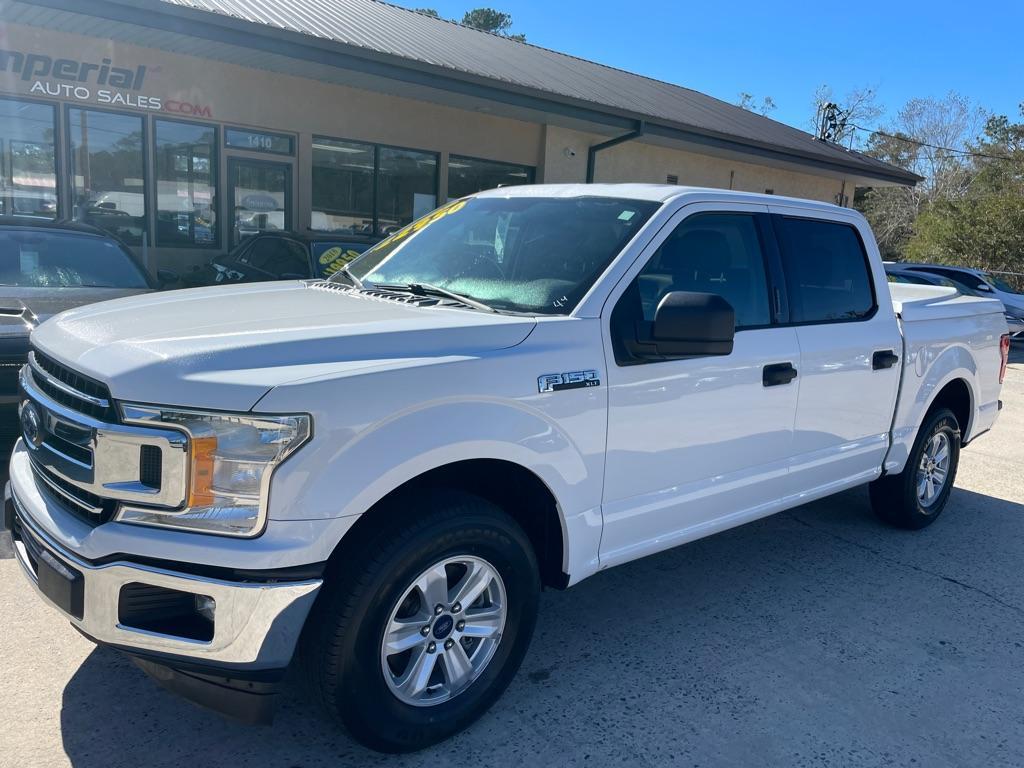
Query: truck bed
pixel 932 302
pixel 946 336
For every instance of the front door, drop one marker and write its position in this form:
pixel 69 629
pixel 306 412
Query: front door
pixel 699 444
pixel 260 193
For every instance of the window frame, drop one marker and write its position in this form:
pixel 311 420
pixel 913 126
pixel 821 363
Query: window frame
pixel 373 183
pixel 215 183
pixel 229 194
pixel 147 171
pixel 783 287
pixel 375 196
pixel 59 161
pixel 532 169
pixel 376 183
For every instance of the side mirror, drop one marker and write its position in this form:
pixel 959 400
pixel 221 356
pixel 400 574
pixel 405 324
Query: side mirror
pixel 693 324
pixel 165 277
pixel 985 288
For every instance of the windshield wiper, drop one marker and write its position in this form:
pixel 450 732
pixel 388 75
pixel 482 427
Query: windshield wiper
pixel 428 289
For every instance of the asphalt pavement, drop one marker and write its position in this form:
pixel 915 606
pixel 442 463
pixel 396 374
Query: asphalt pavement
pixel 817 637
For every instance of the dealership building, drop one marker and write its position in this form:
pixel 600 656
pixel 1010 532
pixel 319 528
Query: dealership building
pixel 185 125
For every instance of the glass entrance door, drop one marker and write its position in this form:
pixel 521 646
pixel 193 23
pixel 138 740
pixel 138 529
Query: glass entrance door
pixel 261 196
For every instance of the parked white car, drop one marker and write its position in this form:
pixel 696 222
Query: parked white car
pixel 521 389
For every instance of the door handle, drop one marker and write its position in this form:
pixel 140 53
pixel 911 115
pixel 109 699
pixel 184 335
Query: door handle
pixel 884 358
pixel 778 373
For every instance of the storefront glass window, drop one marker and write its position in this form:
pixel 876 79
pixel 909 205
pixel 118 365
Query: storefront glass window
pixel 342 186
pixel 260 195
pixel 186 172
pixel 28 173
pixel 466 175
pixel 406 187
pixel 108 172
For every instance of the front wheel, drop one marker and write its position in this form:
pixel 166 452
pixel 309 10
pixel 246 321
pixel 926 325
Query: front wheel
pixel 418 634
pixel 916 496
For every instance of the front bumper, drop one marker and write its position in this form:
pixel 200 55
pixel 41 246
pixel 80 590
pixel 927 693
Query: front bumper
pixel 255 625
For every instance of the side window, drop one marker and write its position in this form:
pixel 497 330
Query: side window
pixel 965 279
pixel 827 275
pixel 710 253
pixel 707 253
pixel 279 256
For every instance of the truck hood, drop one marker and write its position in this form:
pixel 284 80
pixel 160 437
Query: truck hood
pixel 226 347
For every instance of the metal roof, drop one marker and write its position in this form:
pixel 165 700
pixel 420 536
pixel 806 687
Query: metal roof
pixel 385 35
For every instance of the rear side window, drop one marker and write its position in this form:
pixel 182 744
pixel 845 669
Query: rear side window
pixel 827 276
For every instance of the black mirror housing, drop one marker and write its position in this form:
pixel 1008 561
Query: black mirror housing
pixel 693 324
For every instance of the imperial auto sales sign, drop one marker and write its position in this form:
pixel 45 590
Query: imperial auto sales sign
pixel 100 82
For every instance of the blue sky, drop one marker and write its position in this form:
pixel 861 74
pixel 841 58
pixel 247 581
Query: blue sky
pixel 786 50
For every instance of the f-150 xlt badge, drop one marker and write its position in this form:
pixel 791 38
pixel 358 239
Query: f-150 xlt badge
pixel 556 382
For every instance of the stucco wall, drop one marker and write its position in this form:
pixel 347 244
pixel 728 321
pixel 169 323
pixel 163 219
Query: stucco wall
pixel 565 160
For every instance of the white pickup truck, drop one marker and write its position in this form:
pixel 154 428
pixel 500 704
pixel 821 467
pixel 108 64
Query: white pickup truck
pixel 376 474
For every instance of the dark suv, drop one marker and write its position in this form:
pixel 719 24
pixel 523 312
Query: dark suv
pixel 280 256
pixel 45 268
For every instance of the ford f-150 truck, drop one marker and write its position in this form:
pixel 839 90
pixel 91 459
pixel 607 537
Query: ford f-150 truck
pixel 377 473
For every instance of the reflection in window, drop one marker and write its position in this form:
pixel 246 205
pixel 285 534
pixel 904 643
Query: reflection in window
pixel 108 179
pixel 261 197
pixel 186 167
pixel 342 186
pixel 466 175
pixel 28 178
pixel 407 187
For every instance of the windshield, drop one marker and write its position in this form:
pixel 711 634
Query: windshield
pixel 520 254
pixel 1001 284
pixel 35 258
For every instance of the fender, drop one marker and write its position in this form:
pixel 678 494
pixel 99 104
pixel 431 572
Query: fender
pixel 344 473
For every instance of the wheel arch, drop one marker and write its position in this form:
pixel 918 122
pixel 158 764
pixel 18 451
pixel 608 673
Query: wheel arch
pixel 956 395
pixel 520 492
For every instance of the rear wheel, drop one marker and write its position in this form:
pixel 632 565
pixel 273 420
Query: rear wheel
pixel 916 496
pixel 423 628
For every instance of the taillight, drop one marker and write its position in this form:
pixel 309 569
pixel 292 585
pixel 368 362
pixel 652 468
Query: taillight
pixel 1004 355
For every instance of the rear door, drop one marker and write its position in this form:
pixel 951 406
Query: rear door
pixel 850 348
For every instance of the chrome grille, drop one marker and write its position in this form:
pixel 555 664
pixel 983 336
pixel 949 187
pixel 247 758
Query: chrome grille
pixel 69 388
pixel 85 505
pixel 91 465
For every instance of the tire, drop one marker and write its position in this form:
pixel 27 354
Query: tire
pixel 897 499
pixel 343 649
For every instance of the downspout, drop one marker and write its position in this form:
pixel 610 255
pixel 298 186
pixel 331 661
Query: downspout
pixel 592 151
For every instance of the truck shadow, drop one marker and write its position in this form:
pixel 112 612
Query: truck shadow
pixel 802 622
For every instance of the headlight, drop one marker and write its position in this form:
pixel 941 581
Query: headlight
pixel 231 459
